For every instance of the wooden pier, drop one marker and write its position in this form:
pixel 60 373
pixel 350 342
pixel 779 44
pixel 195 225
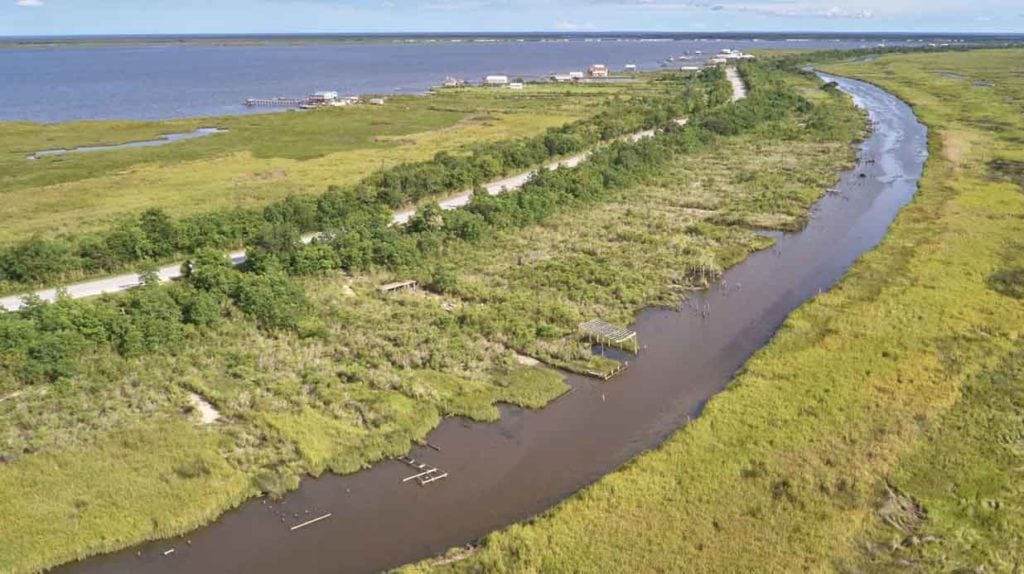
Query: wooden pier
pixel 276 102
pixel 425 473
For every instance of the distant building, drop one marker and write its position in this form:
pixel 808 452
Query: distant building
pixel 728 54
pixel 496 80
pixel 515 86
pixel 576 75
pixel 629 67
pixel 376 101
pixel 598 71
pixel 451 82
pixel 561 77
pixel 689 68
pixel 323 97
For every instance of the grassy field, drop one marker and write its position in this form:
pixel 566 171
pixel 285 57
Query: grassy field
pixel 368 375
pixel 261 158
pixel 880 430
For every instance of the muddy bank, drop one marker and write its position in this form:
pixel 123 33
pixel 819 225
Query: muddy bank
pixel 507 471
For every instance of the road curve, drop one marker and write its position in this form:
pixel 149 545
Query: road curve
pixel 170 272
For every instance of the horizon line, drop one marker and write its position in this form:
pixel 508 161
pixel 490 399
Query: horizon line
pixel 701 33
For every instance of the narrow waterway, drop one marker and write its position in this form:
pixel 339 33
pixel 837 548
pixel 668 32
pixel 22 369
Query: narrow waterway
pixel 162 140
pixel 507 471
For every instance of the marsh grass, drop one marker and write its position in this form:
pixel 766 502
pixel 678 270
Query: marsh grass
pixel 261 158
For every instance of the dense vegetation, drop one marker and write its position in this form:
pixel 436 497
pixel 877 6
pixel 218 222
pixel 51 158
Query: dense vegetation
pixel 363 376
pixel 880 429
pixel 154 236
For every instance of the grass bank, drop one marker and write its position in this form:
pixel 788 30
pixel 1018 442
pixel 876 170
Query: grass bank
pixel 880 428
pixel 366 375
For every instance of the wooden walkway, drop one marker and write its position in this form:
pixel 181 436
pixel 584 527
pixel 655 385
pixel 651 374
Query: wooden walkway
pixel 389 287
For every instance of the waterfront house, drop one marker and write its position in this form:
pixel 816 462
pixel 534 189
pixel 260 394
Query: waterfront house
pixel 515 86
pixel 598 71
pixel 496 80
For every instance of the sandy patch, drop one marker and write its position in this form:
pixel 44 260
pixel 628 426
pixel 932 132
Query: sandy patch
pixel 207 414
pixel 526 361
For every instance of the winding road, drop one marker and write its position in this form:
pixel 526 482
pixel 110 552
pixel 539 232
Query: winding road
pixel 170 272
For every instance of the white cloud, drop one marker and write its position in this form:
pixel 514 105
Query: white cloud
pixel 28 3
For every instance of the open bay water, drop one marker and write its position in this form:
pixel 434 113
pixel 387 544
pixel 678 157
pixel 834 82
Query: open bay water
pixel 143 79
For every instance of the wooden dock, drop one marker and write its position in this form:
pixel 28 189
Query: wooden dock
pixel 608 375
pixel 425 474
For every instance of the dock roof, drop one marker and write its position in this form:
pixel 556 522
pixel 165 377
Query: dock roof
pixel 613 333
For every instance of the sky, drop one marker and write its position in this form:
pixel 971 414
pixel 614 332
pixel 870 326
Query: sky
pixel 65 17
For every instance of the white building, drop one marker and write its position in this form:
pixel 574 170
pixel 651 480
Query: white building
pixel 576 75
pixel 630 67
pixel 496 80
pixel 376 101
pixel 323 97
pixel 562 78
pixel 515 86
pixel 598 71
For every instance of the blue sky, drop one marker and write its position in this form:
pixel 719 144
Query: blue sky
pixel 45 17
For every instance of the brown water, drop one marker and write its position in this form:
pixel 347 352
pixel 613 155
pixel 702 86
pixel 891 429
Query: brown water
pixel 503 472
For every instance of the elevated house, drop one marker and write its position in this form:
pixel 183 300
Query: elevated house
pixel 598 71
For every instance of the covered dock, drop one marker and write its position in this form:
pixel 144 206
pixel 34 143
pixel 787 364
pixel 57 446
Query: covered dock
pixel 598 331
